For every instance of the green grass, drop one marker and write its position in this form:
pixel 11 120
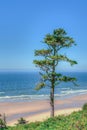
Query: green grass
pixel 74 121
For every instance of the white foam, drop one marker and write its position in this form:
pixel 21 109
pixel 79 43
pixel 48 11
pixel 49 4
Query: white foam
pixel 74 91
pixel 25 97
pixel 42 96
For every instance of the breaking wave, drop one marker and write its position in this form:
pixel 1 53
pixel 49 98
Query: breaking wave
pixel 40 97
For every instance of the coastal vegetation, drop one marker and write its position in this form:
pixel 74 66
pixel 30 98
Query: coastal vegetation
pixel 2 121
pixel 74 121
pixel 51 57
pixel 22 121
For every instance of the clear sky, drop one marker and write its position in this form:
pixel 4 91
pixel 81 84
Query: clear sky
pixel 24 23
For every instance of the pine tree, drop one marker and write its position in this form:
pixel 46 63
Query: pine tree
pixel 51 58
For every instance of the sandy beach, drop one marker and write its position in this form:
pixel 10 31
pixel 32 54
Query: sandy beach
pixel 40 110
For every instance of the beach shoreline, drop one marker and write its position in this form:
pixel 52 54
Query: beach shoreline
pixel 40 109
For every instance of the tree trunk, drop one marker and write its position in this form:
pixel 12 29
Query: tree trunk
pixel 52 101
pixel 52 86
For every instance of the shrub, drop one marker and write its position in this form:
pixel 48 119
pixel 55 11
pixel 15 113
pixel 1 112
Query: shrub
pixel 2 121
pixel 22 121
pixel 85 106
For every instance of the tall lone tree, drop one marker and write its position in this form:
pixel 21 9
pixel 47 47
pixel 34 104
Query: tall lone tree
pixel 51 58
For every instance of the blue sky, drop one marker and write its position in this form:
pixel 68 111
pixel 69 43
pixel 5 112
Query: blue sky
pixel 24 23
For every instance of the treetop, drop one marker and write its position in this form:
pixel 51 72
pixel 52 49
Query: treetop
pixel 59 38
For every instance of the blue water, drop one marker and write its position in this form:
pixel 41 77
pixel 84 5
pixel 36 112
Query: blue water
pixel 19 86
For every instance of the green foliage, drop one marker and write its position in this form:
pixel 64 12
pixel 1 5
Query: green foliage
pixel 42 52
pixel 59 38
pixel 85 107
pixel 52 56
pixel 74 121
pixel 39 86
pixel 30 126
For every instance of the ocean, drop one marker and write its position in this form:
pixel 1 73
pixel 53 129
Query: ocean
pixel 19 86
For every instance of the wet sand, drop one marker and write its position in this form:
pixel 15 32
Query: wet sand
pixel 40 109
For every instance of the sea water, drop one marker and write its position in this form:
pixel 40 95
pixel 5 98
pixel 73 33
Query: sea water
pixel 19 86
